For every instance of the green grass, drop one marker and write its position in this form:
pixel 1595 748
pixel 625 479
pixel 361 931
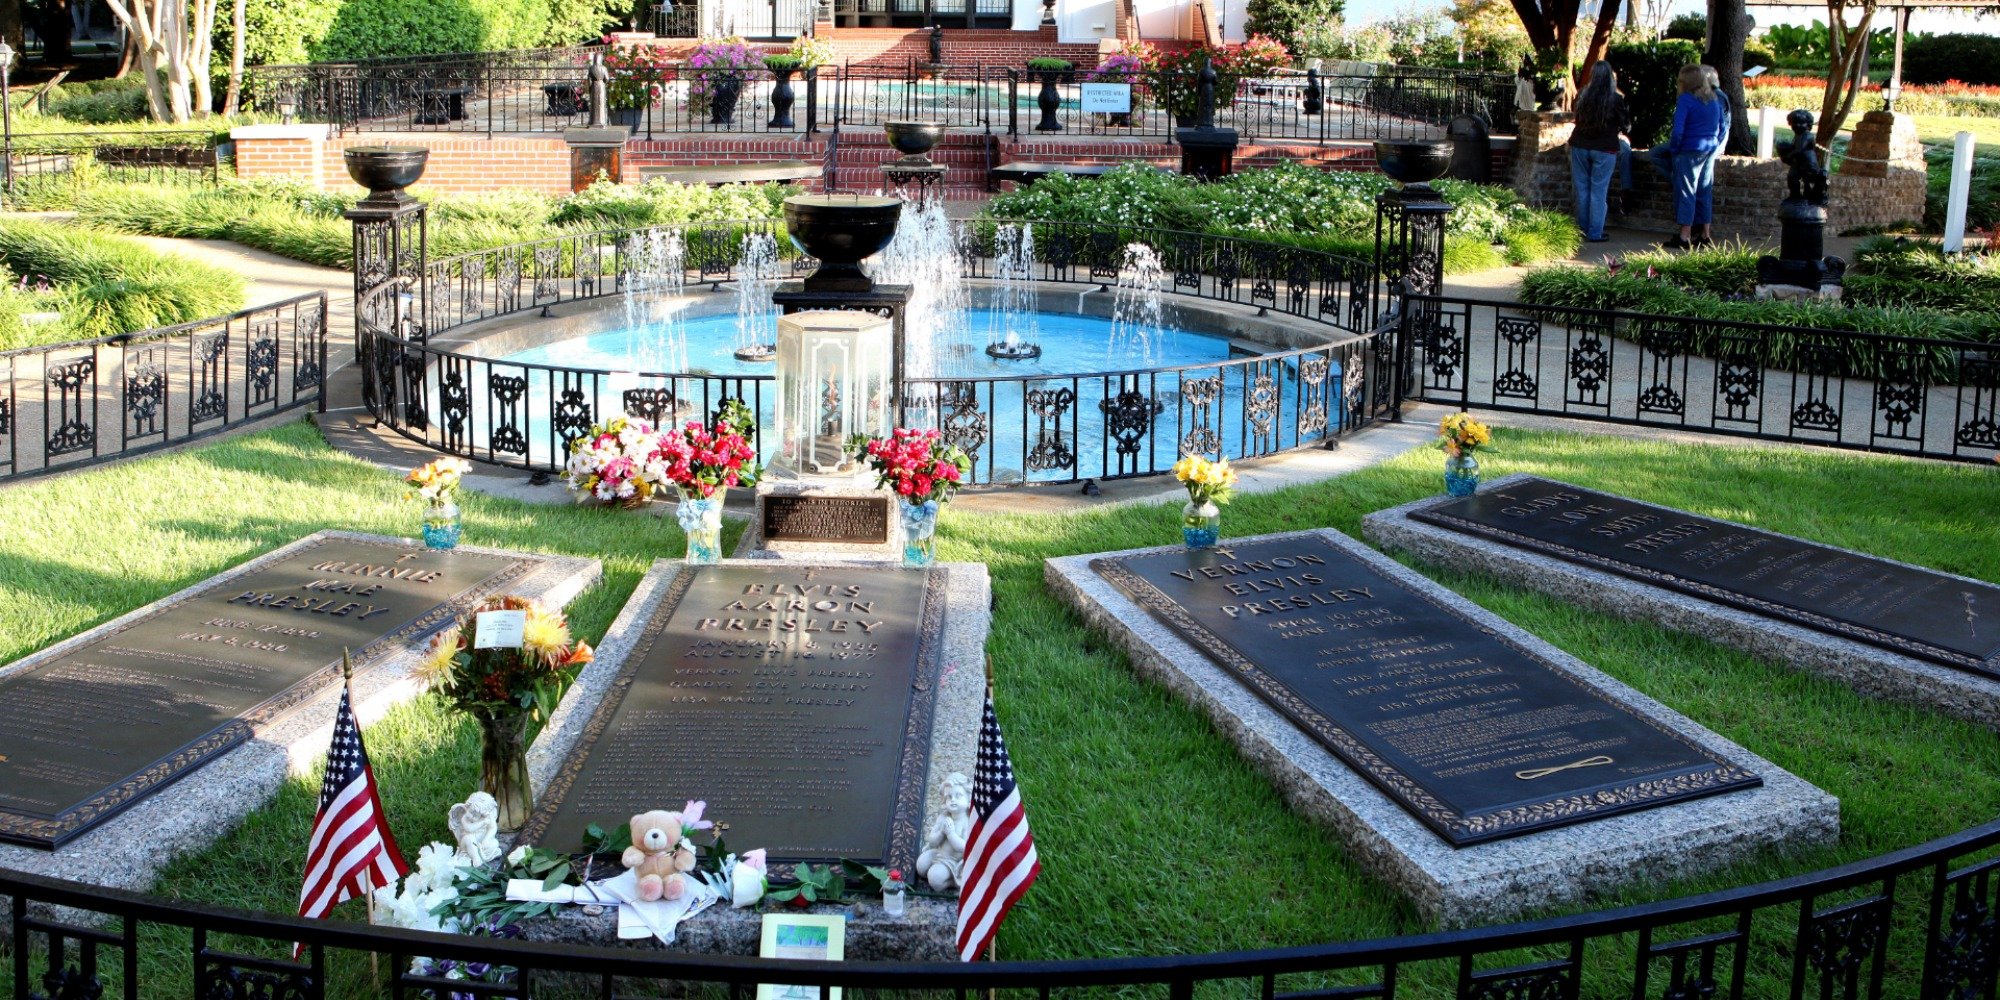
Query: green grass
pixel 1156 837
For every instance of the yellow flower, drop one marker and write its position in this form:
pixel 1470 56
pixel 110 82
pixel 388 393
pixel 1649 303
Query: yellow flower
pixel 436 669
pixel 545 636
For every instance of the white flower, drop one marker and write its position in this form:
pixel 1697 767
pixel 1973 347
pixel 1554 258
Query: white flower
pixel 518 855
pixel 746 886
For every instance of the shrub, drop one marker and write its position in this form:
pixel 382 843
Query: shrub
pixel 1965 58
pixel 1690 26
pixel 605 205
pixel 1646 71
pixel 366 29
pixel 1290 21
pixel 113 285
pixel 1049 64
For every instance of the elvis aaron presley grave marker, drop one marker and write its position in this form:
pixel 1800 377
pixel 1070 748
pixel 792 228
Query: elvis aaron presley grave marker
pixel 796 700
pixel 1475 735
pixel 119 713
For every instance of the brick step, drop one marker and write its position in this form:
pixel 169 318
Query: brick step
pixel 956 158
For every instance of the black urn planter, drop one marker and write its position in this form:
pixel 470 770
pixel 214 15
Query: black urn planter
pixel 628 117
pixel 1414 164
pixel 723 93
pixel 914 140
pixel 782 99
pixel 1049 100
pixel 840 231
pixel 386 170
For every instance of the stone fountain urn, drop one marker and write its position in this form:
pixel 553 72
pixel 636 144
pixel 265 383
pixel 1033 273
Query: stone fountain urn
pixel 1414 165
pixel 386 171
pixel 914 140
pixel 840 231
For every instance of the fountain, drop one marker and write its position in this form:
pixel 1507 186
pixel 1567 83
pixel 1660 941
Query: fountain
pixel 924 256
pixel 653 275
pixel 1015 301
pixel 1138 320
pixel 756 274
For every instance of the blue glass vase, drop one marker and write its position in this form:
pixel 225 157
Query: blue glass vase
pixel 700 519
pixel 1461 475
pixel 442 525
pixel 919 533
pixel 1201 524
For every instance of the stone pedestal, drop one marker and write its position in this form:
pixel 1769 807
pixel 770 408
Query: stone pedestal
pixel 843 518
pixel 1882 139
pixel 1207 153
pixel 596 150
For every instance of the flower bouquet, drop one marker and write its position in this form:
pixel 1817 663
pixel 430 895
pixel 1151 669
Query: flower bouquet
pixel 613 463
pixel 924 472
pixel 436 483
pixel 703 460
pixel 1210 485
pixel 1459 436
pixel 504 688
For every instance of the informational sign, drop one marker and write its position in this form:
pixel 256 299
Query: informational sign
pixel 1107 98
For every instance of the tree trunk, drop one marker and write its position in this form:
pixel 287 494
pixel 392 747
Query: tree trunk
pixel 1847 56
pixel 234 96
pixel 12 30
pixel 127 57
pixel 1728 30
pixel 1600 39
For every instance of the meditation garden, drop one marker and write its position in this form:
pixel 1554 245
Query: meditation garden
pixel 1029 499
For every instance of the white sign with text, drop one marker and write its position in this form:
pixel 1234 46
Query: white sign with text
pixel 1107 98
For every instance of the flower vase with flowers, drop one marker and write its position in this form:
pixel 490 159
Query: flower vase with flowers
pixel 436 485
pixel 702 461
pixel 717 69
pixel 924 472
pixel 612 463
pixel 1210 486
pixel 505 688
pixel 1459 436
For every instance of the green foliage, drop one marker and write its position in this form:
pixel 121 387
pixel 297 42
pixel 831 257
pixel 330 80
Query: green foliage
pixel 366 29
pixel 280 32
pixel 1646 71
pixel 606 205
pixel 1756 53
pixel 1965 58
pixel 1291 21
pixel 1918 274
pixel 1690 26
pixel 1797 43
pixel 98 102
pixel 780 62
pixel 111 285
pixel 1330 211
pixel 583 22
pixel 1050 64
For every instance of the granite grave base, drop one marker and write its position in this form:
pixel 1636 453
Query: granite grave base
pixel 1483 882
pixel 826 519
pixel 1867 668
pixel 128 850
pixel 926 931
pixel 960 698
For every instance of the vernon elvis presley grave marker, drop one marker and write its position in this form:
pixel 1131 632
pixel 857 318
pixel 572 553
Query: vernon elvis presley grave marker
pixel 1913 611
pixel 795 700
pixel 139 704
pixel 1473 734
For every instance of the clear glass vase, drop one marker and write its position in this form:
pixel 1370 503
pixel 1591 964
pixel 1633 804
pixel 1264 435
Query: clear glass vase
pixel 1461 474
pixel 503 765
pixel 919 533
pixel 701 520
pixel 1201 524
pixel 442 525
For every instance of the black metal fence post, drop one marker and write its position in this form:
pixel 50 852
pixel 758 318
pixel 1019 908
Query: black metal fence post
pixel 1014 102
pixel 812 99
pixel 6 119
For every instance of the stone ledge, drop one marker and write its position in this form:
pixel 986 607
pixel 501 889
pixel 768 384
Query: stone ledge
pixel 1486 882
pixel 1871 670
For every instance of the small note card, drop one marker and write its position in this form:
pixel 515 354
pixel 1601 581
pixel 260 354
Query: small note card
pixel 499 629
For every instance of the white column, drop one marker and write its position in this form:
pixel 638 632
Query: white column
pixel 1767 132
pixel 1961 189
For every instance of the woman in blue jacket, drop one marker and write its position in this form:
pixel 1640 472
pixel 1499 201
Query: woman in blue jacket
pixel 1688 157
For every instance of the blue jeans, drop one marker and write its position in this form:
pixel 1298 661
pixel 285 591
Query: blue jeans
pixel 1692 175
pixel 1590 173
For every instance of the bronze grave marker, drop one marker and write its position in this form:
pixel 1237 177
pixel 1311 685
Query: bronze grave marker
pixel 795 700
pixel 807 518
pixel 1474 735
pixel 139 704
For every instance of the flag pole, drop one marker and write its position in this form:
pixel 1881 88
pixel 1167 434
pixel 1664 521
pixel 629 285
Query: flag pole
pixel 367 883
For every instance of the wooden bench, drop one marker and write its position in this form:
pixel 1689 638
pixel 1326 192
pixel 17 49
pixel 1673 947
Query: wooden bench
pixel 777 171
pixel 1024 173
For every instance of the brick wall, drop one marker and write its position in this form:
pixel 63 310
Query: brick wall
pixel 1747 190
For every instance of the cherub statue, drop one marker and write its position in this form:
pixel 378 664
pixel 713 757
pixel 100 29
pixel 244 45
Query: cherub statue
pixel 944 844
pixel 1807 179
pixel 476 824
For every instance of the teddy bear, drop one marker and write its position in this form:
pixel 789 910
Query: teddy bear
pixel 659 855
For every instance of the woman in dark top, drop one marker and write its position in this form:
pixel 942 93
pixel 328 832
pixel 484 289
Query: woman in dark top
pixel 1593 147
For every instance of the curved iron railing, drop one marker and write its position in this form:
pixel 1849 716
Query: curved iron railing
pixel 1916 923
pixel 1132 422
pixel 64 406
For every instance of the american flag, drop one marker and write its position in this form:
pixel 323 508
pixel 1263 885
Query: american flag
pixel 351 852
pixel 1000 862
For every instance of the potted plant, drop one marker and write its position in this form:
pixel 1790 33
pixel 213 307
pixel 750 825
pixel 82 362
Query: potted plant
pixel 636 74
pixel 505 688
pixel 717 70
pixel 924 473
pixel 1176 76
pixel 782 65
pixel 1120 67
pixel 1050 70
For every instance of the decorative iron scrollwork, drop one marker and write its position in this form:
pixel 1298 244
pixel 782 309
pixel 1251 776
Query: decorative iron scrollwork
pixel 1051 450
pixel 1128 417
pixel 507 392
pixel 1965 939
pixel 1589 368
pixel 75 430
pixel 455 400
pixel 548 269
pixel 1260 404
pixel 1313 372
pixel 228 982
pixel 146 391
pixel 964 424
pixel 657 406
pixel 1839 942
pixel 261 365
pixel 211 400
pixel 1536 984
pixel 571 418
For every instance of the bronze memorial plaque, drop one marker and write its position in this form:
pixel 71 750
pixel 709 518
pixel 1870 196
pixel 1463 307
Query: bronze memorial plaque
pixel 94 730
pixel 857 520
pixel 1475 735
pixel 795 700
pixel 1913 611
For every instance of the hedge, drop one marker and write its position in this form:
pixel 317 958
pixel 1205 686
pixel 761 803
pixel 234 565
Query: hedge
pixel 1965 58
pixel 1647 72
pixel 110 285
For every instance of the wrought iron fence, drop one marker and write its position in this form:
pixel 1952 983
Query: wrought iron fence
pixel 960 97
pixel 1070 427
pixel 35 162
pixel 68 405
pixel 1910 395
pixel 533 90
pixel 677 20
pixel 1915 924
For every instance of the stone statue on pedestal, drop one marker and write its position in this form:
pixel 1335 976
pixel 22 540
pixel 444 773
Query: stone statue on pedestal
pixel 600 90
pixel 1802 266
pixel 1807 179
pixel 944 844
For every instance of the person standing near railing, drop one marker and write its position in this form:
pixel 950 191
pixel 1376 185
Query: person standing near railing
pixel 1601 115
pixel 1704 208
pixel 1689 152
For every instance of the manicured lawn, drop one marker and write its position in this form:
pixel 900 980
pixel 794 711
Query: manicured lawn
pixel 1155 836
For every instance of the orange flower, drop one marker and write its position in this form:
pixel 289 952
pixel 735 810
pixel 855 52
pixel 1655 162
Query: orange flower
pixel 582 654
